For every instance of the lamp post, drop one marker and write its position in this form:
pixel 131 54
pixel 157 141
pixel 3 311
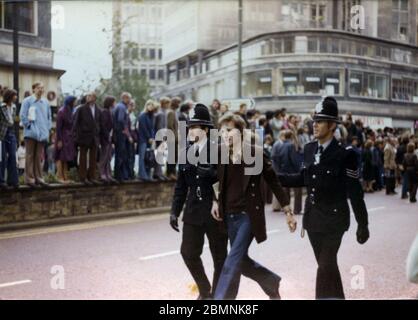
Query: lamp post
pixel 239 91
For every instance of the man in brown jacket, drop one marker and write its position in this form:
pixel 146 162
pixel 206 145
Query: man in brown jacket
pixel 240 205
pixel 86 130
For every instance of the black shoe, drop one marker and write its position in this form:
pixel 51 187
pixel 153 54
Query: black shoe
pixel 276 294
pixel 205 297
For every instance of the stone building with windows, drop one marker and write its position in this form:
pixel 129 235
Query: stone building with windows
pixel 35 53
pixel 141 40
pixel 313 48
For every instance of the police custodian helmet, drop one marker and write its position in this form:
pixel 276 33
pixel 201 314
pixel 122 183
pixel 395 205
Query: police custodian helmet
pixel 201 117
pixel 326 110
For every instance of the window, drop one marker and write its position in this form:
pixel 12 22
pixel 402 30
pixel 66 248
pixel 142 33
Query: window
pixel 405 89
pixel 160 54
pixel 290 82
pixel 289 45
pixel 135 54
pixel 160 74
pixel 312 82
pixel 144 53
pixel 368 85
pixel 126 73
pixel 257 84
pixel 126 53
pixel 323 45
pixel 313 45
pixel 143 72
pixel 400 18
pixel 27 12
pixel 152 54
pixel 152 74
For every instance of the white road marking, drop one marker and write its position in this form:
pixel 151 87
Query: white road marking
pixel 175 252
pixel 16 283
pixel 375 209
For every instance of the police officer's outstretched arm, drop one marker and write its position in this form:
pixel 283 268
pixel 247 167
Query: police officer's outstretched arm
pixel 356 195
pixel 179 198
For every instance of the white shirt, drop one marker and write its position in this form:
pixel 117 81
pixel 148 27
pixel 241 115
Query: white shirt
pixel 92 108
pixel 326 144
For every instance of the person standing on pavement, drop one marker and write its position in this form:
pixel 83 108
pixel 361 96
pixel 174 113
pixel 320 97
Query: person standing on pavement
pixel 194 187
pixel 8 140
pixel 21 158
pixel 146 136
pixel 86 132
pixel 122 137
pixel 161 124
pixel 410 165
pixel 240 207
pixel 106 139
pixel 65 151
pixel 36 118
pixel 331 175
pixel 389 165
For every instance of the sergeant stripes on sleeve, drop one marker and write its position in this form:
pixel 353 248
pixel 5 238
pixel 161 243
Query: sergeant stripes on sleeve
pixel 355 174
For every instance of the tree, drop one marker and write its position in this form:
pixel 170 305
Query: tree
pixel 120 81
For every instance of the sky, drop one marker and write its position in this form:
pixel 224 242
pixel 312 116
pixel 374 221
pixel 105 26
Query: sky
pixel 80 44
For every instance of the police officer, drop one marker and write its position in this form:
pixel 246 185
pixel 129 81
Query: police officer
pixel 194 187
pixel 331 174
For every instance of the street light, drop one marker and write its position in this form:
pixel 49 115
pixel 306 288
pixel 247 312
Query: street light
pixel 16 48
pixel 239 92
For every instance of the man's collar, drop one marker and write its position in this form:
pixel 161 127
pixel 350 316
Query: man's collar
pixel 325 144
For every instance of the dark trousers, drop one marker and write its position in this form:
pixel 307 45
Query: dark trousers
pixel 238 262
pixel 390 181
pixel 89 173
pixel 131 160
pixel 328 278
pixel 121 157
pixel 8 159
pixel 191 250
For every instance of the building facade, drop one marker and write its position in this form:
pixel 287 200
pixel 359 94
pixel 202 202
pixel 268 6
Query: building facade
pixel 140 23
pixel 316 48
pixel 35 53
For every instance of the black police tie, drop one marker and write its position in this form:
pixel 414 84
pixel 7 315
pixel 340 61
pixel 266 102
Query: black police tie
pixel 196 153
pixel 320 150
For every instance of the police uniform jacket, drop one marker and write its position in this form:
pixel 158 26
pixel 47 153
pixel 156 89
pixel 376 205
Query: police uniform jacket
pixel 330 183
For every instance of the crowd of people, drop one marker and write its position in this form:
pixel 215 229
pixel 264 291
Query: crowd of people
pixel 103 142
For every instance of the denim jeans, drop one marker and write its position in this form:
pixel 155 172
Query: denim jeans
pixel 121 157
pixel 8 159
pixel 238 262
pixel 143 173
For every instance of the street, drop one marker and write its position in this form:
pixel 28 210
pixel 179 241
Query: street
pixel 138 258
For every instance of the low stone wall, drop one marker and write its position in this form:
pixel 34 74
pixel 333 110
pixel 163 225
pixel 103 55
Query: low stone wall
pixel 58 202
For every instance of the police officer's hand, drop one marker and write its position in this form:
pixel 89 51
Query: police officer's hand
pixel 174 222
pixel 362 234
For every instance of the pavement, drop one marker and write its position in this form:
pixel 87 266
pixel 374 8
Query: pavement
pixel 138 258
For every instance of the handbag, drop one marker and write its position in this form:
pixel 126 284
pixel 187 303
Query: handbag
pixel 149 158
